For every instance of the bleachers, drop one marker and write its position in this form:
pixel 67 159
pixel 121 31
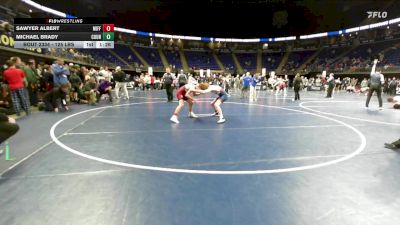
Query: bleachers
pixel 270 61
pixel 124 52
pixel 150 55
pixel 393 56
pixel 201 60
pixel 247 60
pixel 103 56
pixel 325 58
pixel 296 59
pixel 173 58
pixel 226 60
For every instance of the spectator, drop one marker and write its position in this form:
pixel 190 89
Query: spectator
pixel 105 87
pixel 60 73
pixel 392 86
pixel 53 98
pixel 120 82
pixel 147 81
pixel 75 81
pixel 15 79
pixel 32 78
pixel 90 91
pixel 48 77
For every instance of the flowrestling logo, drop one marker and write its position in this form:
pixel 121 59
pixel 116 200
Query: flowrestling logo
pixel 376 14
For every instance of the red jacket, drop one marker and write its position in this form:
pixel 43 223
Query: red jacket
pixel 15 78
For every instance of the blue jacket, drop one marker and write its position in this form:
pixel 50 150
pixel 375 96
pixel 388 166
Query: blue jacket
pixel 253 82
pixel 246 81
pixel 60 75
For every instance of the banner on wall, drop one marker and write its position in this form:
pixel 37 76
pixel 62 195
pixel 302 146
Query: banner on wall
pixel 8 41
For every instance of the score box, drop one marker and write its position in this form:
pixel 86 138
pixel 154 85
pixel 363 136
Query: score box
pixel 108 36
pixel 108 27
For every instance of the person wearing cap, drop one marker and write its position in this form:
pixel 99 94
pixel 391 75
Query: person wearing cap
pixel 376 83
pixel 120 82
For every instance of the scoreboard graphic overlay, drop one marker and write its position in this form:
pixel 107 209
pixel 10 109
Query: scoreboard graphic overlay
pixel 64 33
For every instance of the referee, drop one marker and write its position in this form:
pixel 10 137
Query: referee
pixel 376 80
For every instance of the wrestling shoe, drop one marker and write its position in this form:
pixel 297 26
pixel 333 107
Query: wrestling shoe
pixel 174 119
pixel 192 115
pixel 391 146
pixel 222 120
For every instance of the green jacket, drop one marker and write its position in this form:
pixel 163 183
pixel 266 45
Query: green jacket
pixel 75 79
pixel 31 75
pixel 89 86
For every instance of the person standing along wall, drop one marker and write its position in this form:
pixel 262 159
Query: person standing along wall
pixel 15 79
pixel 32 78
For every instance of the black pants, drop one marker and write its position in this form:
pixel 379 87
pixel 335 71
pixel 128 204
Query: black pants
pixel 48 106
pixel 7 130
pixel 33 95
pixel 296 93
pixel 392 90
pixel 170 90
pixel 330 90
pixel 378 89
